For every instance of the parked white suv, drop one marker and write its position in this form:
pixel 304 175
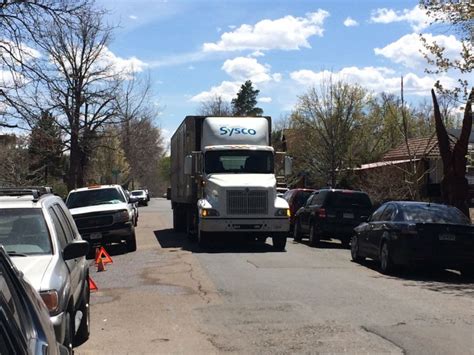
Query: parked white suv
pixel 104 214
pixel 40 236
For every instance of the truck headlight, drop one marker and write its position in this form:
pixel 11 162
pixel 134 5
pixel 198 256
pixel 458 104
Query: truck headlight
pixel 283 212
pixel 121 216
pixel 209 212
pixel 50 299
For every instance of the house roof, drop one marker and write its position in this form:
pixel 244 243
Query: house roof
pixel 456 132
pixel 384 163
pixel 416 148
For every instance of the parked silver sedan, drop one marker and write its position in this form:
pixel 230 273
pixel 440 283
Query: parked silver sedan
pixel 41 238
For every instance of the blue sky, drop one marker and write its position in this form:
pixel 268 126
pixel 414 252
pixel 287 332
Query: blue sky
pixel 195 50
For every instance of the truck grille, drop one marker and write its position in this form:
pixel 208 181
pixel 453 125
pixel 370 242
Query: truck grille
pixel 94 221
pixel 247 202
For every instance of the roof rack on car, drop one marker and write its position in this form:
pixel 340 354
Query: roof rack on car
pixel 35 191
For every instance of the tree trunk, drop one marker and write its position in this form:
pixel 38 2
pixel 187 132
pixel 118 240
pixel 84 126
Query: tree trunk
pixel 454 186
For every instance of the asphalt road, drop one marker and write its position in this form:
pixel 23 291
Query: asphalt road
pixel 172 297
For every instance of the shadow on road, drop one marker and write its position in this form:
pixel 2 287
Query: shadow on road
pixel 168 238
pixel 325 244
pixel 429 278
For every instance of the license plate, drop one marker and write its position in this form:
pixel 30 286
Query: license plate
pixel 347 215
pixel 450 237
pixel 96 235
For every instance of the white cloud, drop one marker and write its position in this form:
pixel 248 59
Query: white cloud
pixel 257 54
pixel 244 68
pixel 191 67
pixel 219 29
pixel 286 33
pixel 376 79
pixel 133 17
pixel 265 99
pixel 227 90
pixel 349 22
pixel 121 65
pixel 408 49
pixel 416 17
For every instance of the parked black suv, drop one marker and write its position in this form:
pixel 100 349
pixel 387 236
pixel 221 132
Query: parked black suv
pixel 331 213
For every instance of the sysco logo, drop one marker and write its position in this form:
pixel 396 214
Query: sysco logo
pixel 230 131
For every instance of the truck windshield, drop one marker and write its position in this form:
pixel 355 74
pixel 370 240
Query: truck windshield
pixel 94 197
pixel 239 161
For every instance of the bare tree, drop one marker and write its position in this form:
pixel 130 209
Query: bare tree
pixel 73 80
pixel 19 23
pixel 216 106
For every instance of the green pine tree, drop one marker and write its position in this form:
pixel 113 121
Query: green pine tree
pixel 245 104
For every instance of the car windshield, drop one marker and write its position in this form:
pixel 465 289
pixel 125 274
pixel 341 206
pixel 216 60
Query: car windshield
pixel 23 231
pixel 348 199
pixel 138 193
pixel 239 161
pixel 426 213
pixel 94 197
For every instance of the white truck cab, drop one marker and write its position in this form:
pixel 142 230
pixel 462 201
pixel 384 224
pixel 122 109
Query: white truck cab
pixel 228 176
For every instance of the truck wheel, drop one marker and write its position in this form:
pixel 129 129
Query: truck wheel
pixel 132 242
pixel 279 242
pixel 179 219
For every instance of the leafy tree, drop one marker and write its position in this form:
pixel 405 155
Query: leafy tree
pixel 328 116
pixel 45 148
pixel 245 102
pixel 458 15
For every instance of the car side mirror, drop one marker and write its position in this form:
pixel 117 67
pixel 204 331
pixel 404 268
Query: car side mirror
pixel 133 199
pixel 168 193
pixel 76 249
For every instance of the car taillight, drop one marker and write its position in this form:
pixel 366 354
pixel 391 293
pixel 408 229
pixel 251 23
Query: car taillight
pixel 50 299
pixel 322 213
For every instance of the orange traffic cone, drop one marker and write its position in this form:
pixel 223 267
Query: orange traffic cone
pixel 92 285
pixel 100 265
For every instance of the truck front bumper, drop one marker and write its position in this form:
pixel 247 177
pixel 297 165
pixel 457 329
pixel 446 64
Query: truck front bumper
pixel 245 225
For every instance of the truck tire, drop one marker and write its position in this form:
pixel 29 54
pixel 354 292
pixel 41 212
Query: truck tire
pixel 179 220
pixel 279 242
pixel 131 242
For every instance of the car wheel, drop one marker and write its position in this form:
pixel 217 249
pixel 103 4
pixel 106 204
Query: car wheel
pixel 279 243
pixel 69 331
pixel 83 332
pixel 132 241
pixel 297 231
pixel 355 253
pixel 386 263
pixel 313 235
pixel 467 271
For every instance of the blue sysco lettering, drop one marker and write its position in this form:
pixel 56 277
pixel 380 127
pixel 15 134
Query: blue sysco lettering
pixel 236 130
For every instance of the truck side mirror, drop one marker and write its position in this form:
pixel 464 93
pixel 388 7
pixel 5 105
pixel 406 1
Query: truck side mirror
pixel 288 165
pixel 188 165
